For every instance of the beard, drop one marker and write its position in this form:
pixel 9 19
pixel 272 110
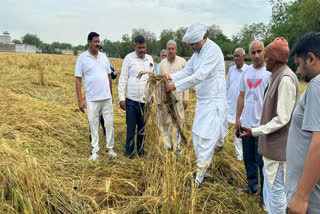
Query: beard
pixel 196 50
pixel 308 75
pixel 141 54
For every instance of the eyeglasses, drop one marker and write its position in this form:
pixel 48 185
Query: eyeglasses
pixel 164 55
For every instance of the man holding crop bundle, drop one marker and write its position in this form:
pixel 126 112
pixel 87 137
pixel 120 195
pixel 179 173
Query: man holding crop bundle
pixel 132 93
pixel 279 101
pixel 171 65
pixel 93 66
pixel 206 71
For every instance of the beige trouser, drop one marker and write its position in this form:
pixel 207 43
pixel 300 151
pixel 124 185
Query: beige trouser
pixel 167 136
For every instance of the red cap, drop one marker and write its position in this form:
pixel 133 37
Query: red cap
pixel 278 50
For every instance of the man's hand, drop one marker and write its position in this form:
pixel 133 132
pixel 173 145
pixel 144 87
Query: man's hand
pixel 237 128
pixel 245 132
pixel 123 105
pixel 298 205
pixel 185 104
pixel 81 105
pixel 170 87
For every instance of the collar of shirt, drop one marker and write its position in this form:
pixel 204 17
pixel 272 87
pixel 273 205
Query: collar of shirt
pixel 204 46
pixel 89 55
pixel 145 56
pixel 241 69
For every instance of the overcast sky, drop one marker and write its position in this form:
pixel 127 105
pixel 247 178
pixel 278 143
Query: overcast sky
pixel 71 20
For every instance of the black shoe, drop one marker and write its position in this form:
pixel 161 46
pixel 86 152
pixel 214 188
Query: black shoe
pixel 142 156
pixel 246 191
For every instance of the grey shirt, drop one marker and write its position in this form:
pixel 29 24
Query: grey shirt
pixel 305 120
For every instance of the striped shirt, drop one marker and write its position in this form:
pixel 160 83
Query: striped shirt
pixel 129 86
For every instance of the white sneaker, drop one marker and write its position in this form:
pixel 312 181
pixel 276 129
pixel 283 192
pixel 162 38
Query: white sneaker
pixel 94 156
pixel 112 153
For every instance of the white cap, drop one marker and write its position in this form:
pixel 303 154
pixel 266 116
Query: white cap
pixel 195 33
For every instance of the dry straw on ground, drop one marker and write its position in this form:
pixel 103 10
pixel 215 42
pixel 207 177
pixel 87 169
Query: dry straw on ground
pixel 44 150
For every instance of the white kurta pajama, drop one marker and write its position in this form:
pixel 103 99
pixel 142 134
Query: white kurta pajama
pixel 206 71
pixel 167 67
pixel 233 84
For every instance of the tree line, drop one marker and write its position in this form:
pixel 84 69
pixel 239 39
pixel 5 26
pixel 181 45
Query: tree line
pixel 290 20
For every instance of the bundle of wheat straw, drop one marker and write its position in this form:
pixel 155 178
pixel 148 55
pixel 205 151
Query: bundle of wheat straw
pixel 159 82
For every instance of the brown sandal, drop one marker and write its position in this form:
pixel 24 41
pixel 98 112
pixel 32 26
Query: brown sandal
pixel 263 207
pixel 218 148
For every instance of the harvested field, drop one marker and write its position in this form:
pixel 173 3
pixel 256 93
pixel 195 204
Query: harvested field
pixel 44 151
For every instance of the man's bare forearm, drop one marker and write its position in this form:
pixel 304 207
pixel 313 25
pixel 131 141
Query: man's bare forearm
pixel 240 104
pixel 78 88
pixel 310 175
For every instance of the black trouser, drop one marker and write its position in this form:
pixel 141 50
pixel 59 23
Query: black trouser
pixel 102 124
pixel 134 118
pixel 253 163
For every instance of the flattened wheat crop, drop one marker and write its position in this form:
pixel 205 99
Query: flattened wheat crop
pixel 44 151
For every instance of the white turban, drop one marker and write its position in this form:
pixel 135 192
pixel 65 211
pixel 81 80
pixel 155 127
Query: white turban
pixel 195 33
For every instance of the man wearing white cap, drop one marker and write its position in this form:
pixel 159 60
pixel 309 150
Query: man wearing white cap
pixel 206 71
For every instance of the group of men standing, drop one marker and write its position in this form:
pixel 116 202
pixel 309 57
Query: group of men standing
pixel 268 99
pixel 259 99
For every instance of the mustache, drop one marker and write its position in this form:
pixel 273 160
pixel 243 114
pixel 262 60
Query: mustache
pixel 97 46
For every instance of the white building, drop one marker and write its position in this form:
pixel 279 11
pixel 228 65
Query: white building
pixel 7 46
pixel 5 38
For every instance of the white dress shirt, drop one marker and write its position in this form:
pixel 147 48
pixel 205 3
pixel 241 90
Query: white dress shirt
pixel 129 86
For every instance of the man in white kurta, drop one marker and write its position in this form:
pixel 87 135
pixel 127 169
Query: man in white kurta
pixel 171 65
pixel 206 71
pixel 233 83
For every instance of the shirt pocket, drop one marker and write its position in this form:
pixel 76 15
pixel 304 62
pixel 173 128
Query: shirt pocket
pixel 151 66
